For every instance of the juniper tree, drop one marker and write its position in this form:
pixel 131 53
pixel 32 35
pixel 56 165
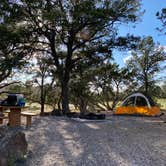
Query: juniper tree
pixel 145 62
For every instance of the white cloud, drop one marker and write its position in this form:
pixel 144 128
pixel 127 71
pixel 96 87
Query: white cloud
pixel 162 47
pixel 128 57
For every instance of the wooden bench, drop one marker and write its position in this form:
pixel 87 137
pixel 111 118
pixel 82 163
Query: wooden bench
pixel 28 116
pixel 2 118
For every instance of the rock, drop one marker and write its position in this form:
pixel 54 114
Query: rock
pixel 93 116
pixel 56 112
pixel 46 114
pixel 13 145
pixel 72 114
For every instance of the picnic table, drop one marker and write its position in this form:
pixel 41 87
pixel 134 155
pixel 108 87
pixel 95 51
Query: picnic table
pixel 14 114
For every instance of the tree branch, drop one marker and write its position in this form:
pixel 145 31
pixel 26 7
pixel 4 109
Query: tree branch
pixel 7 84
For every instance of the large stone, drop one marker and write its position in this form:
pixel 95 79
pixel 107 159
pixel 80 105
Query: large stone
pixel 13 145
pixel 73 115
pixel 56 112
pixel 93 116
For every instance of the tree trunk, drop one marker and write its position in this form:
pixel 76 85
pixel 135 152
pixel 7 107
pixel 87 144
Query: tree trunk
pixel 65 83
pixel 59 103
pixel 116 98
pixel 42 97
pixel 65 97
pixel 42 108
pixel 83 105
pixel 146 84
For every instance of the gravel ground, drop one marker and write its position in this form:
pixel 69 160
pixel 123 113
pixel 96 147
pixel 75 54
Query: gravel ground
pixel 117 141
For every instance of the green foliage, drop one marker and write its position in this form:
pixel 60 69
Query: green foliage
pixel 65 28
pixel 13 40
pixel 145 63
pixel 163 87
pixel 112 81
pixel 162 17
pixel 16 88
pixel 43 75
pixel 98 84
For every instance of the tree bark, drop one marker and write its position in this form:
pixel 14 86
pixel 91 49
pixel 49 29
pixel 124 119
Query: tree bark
pixel 65 91
pixel 59 103
pixel 42 97
pixel 66 76
pixel 42 108
pixel 146 84
pixel 65 97
pixel 83 105
pixel 116 98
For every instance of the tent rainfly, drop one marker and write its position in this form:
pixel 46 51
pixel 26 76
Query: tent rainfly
pixel 138 104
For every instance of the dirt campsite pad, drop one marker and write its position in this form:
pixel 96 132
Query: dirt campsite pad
pixel 117 141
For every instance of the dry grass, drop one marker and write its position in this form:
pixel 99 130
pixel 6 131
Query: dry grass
pixel 162 103
pixel 35 107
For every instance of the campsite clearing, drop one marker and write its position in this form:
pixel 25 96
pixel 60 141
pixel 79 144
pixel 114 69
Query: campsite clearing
pixel 117 141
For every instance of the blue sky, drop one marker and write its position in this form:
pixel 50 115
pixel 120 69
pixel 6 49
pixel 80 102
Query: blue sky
pixel 146 27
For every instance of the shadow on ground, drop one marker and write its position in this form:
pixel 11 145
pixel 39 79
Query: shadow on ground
pixel 126 141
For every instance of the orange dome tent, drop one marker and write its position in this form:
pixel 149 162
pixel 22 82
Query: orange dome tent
pixel 138 104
